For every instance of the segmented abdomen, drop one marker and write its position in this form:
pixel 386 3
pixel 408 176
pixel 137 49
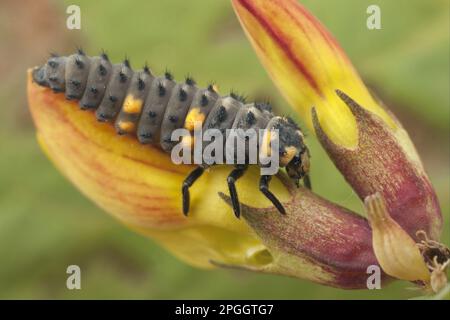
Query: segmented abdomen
pixel 140 103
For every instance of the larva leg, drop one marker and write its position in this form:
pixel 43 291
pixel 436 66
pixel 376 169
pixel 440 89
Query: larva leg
pixel 231 180
pixel 307 181
pixel 187 183
pixel 264 188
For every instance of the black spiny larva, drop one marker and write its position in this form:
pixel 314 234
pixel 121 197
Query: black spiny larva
pixel 151 107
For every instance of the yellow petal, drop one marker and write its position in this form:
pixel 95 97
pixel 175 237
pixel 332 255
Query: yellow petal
pixel 307 64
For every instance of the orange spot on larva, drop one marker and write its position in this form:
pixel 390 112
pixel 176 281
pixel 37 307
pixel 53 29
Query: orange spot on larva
pixel 265 147
pixel 126 126
pixel 132 105
pixel 195 115
pixel 286 158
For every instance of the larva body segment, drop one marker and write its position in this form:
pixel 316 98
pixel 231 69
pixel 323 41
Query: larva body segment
pixel 151 108
pixel 115 92
pixel 223 113
pixel 98 78
pixel 176 111
pixel 219 120
pixel 128 118
pixel 77 71
pixel 203 102
pixel 55 73
pixel 250 117
pixel 154 107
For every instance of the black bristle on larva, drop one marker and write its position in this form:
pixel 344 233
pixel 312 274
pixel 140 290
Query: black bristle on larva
pixel 79 63
pixel 75 83
pixel 146 135
pixel 112 98
pixel 94 90
pixel 102 117
pixel 250 118
pixel 168 75
pixel 173 119
pixel 204 100
pixel 104 55
pixel 123 77
pixel 146 69
pixel 102 70
pixel 182 95
pixel 126 62
pixel 52 64
pixel 152 114
pixel 211 87
pixel 222 114
pixel 189 81
pixel 161 90
pixel 238 97
pixel 263 106
pixel 141 84
pixel 80 51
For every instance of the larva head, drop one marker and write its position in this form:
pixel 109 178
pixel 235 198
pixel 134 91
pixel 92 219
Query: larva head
pixel 298 167
pixel 294 154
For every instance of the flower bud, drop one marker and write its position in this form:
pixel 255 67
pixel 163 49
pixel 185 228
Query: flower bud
pixel 397 253
pixel 315 240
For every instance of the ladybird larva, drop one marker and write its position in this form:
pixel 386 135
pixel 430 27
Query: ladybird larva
pixel 151 107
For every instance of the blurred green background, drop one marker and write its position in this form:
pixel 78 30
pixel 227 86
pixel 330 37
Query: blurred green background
pixel 45 223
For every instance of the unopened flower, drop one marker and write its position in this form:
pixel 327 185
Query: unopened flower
pixel 397 253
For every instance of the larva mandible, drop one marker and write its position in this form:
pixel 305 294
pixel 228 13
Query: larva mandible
pixel 151 107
